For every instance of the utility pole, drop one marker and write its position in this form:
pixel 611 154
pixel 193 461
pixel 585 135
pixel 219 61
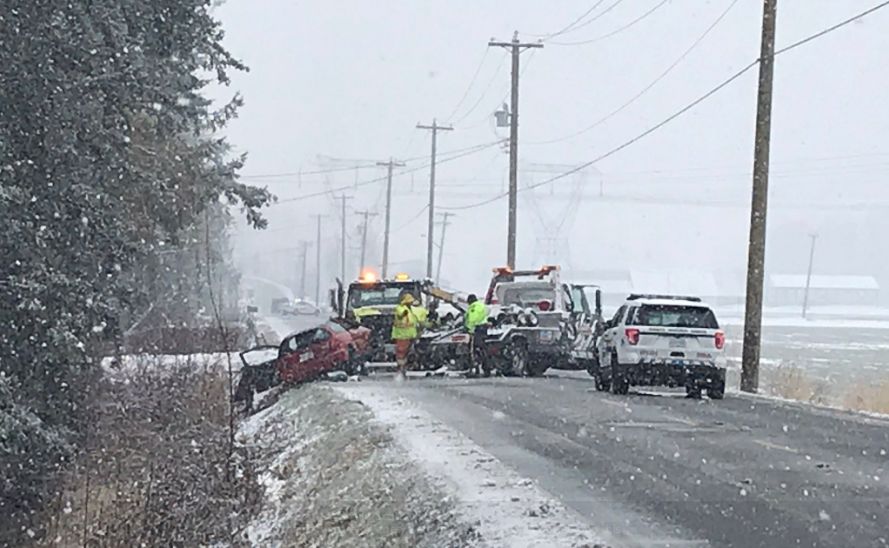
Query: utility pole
pixel 318 262
pixel 759 203
pixel 366 215
pixel 389 165
pixel 515 48
pixel 435 129
pixel 303 251
pixel 343 199
pixel 809 274
pixel 444 226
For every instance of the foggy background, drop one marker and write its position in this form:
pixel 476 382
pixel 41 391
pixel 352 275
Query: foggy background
pixel 338 84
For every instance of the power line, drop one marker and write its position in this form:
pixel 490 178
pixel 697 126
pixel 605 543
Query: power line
pixel 567 28
pixel 828 30
pixel 647 88
pixel 465 152
pixel 680 112
pixel 412 219
pixel 615 31
pixel 626 144
pixel 471 83
pixel 484 92
pixel 601 14
pixel 301 173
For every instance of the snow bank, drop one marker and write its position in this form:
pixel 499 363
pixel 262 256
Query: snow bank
pixel 330 477
pixel 509 510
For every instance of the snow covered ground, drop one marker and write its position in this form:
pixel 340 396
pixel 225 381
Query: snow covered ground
pixel 332 478
pixel 340 467
pixel 508 509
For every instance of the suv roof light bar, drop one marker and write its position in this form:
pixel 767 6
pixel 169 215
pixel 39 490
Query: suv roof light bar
pixel 637 296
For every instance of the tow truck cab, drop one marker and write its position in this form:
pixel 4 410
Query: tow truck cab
pixel 370 302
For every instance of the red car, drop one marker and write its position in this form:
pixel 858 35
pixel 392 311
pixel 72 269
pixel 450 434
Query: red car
pixel 307 355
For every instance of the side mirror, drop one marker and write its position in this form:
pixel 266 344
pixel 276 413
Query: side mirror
pixel 252 309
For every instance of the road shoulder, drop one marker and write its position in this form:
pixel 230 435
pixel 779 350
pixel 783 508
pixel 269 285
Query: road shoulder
pixel 507 508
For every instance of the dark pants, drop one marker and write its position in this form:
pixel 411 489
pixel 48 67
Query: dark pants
pixel 478 347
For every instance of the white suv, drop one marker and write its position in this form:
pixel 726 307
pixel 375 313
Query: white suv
pixel 661 340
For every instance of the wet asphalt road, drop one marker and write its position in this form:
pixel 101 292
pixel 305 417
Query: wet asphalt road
pixel 657 469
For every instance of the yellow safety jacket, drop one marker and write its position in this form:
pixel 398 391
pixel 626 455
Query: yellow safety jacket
pixel 405 324
pixel 422 316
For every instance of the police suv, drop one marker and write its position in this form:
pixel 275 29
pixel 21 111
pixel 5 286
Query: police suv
pixel 662 340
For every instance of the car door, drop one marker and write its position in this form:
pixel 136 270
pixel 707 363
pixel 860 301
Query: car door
pixel 292 356
pixel 321 360
pixel 581 321
pixel 611 335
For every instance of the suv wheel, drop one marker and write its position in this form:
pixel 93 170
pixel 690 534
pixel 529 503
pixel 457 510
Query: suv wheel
pixel 716 391
pixel 693 391
pixel 602 385
pixel 619 384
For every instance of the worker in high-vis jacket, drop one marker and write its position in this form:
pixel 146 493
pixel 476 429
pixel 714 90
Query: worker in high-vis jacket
pixel 404 331
pixel 476 322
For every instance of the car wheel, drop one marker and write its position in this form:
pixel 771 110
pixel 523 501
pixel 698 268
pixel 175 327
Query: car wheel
pixel 519 358
pixel 602 385
pixel 693 391
pixel 620 385
pixel 537 368
pixel 716 391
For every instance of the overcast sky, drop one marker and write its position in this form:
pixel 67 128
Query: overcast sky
pixel 350 80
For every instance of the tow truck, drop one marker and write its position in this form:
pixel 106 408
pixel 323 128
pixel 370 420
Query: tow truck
pixel 370 302
pixel 538 322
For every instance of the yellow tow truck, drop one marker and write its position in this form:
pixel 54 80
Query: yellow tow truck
pixel 370 301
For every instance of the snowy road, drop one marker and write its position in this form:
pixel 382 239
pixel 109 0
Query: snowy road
pixel 656 469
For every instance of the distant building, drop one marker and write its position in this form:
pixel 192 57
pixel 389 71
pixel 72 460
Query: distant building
pixel 824 290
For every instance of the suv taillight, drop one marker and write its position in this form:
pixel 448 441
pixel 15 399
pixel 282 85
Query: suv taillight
pixel 719 339
pixel 632 336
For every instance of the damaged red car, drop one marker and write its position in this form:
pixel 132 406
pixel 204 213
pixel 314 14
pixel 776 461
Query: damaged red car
pixel 308 354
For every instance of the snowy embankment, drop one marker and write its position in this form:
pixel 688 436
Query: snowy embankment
pixel 506 508
pixel 336 471
pixel 331 478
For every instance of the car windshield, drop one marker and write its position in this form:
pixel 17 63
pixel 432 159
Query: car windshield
pixel 673 316
pixel 375 295
pixel 336 328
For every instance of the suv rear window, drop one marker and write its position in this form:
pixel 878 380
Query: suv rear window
pixel 525 295
pixel 673 316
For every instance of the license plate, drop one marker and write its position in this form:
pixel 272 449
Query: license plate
pixel 677 343
pixel 306 356
pixel 546 336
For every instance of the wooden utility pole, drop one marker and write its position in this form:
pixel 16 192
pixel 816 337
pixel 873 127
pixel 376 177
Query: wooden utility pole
pixel 435 128
pixel 759 203
pixel 809 274
pixel 343 199
pixel 515 48
pixel 389 166
pixel 303 253
pixel 318 262
pixel 366 215
pixel 444 226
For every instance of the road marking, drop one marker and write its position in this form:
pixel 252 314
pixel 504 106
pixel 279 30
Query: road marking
pixel 771 445
pixel 616 404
